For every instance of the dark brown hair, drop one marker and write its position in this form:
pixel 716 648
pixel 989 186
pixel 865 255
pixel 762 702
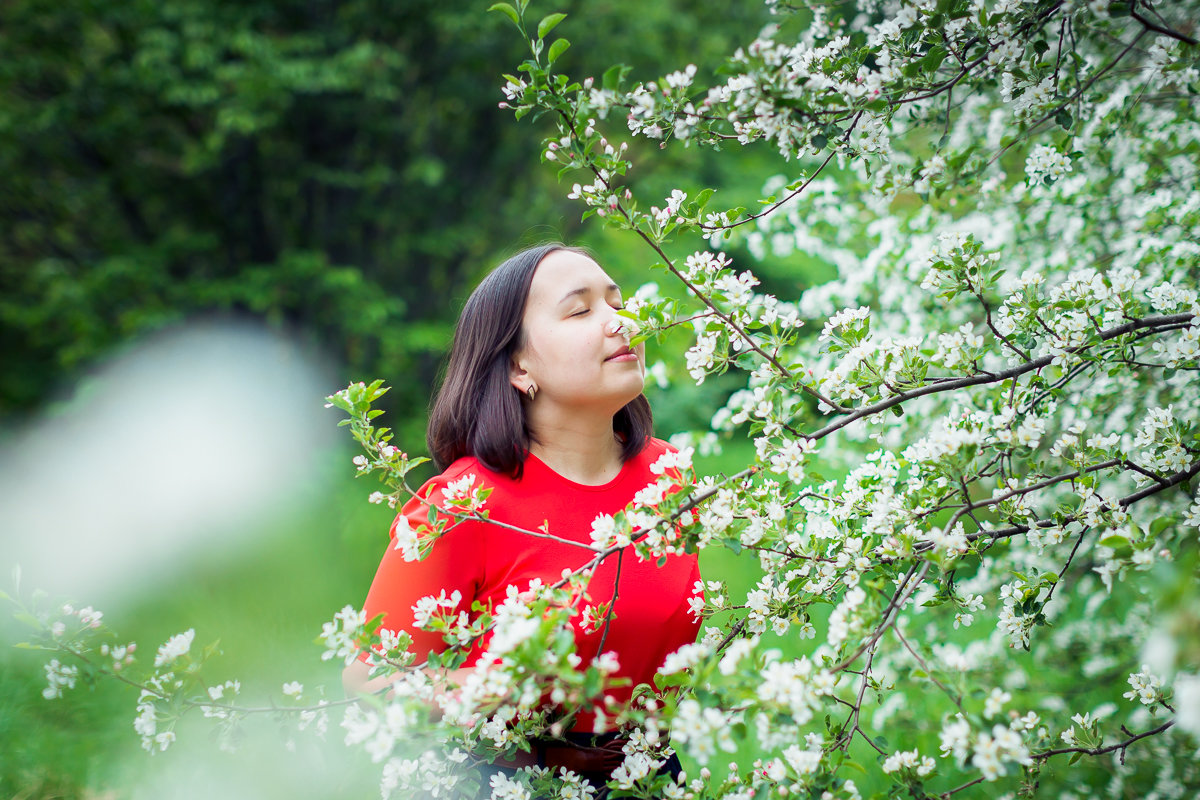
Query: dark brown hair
pixel 477 412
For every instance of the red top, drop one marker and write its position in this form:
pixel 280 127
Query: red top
pixel 481 561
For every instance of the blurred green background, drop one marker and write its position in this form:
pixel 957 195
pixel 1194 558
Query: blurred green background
pixel 337 174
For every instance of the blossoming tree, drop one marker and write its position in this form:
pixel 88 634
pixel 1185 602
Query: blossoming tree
pixel 998 592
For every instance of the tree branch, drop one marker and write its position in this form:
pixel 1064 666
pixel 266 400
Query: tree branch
pixel 1098 751
pixel 1013 372
pixel 1133 12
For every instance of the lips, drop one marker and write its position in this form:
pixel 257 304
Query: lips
pixel 624 351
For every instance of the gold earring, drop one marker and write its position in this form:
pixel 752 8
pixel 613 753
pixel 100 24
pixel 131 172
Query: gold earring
pixel 531 391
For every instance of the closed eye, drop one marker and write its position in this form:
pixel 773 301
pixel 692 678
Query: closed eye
pixel 581 312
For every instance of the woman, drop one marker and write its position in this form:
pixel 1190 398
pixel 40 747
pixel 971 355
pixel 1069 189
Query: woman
pixel 542 403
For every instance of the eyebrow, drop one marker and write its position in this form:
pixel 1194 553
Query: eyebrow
pixel 612 287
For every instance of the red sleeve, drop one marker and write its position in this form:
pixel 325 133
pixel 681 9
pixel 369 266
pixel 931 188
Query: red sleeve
pixel 455 563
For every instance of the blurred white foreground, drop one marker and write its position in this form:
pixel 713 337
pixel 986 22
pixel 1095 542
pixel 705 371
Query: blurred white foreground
pixel 166 456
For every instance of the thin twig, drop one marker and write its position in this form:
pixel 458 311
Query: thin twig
pixel 890 613
pixel 1097 751
pixel 1183 37
pixel 612 605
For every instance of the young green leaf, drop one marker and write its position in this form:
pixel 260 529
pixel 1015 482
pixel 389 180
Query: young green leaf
pixel 557 49
pixel 508 10
pixel 548 22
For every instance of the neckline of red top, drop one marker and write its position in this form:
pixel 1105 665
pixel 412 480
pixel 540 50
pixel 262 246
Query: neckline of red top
pixel 626 469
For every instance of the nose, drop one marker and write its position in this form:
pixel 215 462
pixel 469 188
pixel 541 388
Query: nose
pixel 612 327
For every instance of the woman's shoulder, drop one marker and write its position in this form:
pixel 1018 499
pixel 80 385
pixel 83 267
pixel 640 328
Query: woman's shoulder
pixel 658 446
pixel 653 450
pixel 464 472
pixel 466 486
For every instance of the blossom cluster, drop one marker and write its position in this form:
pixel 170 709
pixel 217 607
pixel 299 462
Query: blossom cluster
pixel 1005 374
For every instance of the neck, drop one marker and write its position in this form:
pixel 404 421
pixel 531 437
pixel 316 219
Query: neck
pixel 580 448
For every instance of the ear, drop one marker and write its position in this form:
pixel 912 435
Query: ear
pixel 517 374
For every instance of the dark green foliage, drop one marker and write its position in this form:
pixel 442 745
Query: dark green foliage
pixel 331 166
pixel 341 169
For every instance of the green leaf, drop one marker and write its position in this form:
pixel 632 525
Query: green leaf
pixel 855 765
pixel 506 9
pixel 28 619
pixel 933 59
pixel 613 76
pixel 557 49
pixel 820 140
pixel 548 22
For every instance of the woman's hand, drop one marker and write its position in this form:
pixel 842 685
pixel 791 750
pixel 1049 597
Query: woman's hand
pixel 584 759
pixel 356 681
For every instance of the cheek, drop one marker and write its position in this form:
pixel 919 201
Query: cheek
pixel 560 349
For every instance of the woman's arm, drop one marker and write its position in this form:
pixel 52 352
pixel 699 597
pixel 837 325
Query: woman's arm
pixel 356 679
pixel 453 567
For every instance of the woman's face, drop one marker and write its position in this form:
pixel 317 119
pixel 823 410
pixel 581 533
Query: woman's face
pixel 571 351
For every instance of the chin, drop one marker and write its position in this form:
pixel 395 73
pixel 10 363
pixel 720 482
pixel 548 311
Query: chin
pixel 618 401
